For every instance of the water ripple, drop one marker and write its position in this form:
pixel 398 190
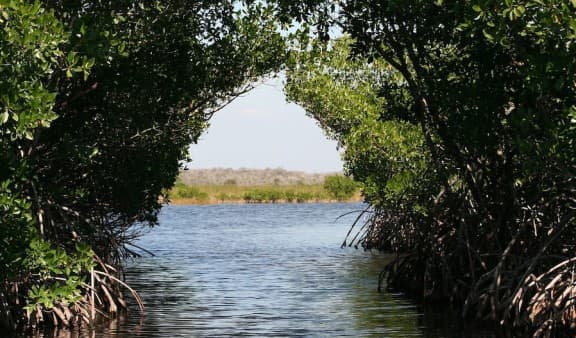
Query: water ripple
pixel 263 271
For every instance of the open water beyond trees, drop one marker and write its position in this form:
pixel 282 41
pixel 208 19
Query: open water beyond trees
pixel 266 270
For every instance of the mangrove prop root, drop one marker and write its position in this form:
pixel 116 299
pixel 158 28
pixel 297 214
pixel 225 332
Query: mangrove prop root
pixel 102 297
pixel 526 282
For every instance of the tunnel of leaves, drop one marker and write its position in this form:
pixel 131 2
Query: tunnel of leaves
pixel 458 119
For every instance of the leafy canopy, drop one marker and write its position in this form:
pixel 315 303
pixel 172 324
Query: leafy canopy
pixel 478 99
pixel 99 101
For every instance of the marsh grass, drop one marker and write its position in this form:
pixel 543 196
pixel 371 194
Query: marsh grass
pixel 214 194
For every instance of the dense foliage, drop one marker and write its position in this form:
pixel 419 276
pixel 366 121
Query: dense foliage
pixel 383 146
pixel 459 118
pixel 99 101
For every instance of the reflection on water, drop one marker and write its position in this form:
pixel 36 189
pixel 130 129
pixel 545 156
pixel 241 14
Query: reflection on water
pixel 262 270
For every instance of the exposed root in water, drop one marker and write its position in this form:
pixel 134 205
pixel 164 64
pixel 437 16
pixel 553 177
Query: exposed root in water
pixel 101 296
pixel 523 280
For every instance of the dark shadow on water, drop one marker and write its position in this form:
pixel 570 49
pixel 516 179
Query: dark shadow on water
pixel 401 317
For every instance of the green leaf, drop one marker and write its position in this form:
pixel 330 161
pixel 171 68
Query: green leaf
pixel 90 63
pixel 520 10
pixel 71 58
pixel 4 116
pixel 28 135
pixel 487 35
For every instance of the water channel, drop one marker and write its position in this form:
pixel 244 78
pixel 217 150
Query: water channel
pixel 266 270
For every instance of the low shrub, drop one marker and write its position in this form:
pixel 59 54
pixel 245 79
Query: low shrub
pixel 340 187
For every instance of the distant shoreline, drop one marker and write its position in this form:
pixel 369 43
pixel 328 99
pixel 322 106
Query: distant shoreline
pixel 192 201
pixel 268 186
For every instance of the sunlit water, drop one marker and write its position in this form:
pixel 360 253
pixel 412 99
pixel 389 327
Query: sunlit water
pixel 265 270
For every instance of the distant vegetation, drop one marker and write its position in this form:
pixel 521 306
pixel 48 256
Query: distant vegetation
pixel 250 177
pixel 331 188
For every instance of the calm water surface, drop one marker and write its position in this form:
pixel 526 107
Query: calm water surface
pixel 265 270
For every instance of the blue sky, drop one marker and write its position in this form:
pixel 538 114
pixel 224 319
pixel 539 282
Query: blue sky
pixel 261 130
